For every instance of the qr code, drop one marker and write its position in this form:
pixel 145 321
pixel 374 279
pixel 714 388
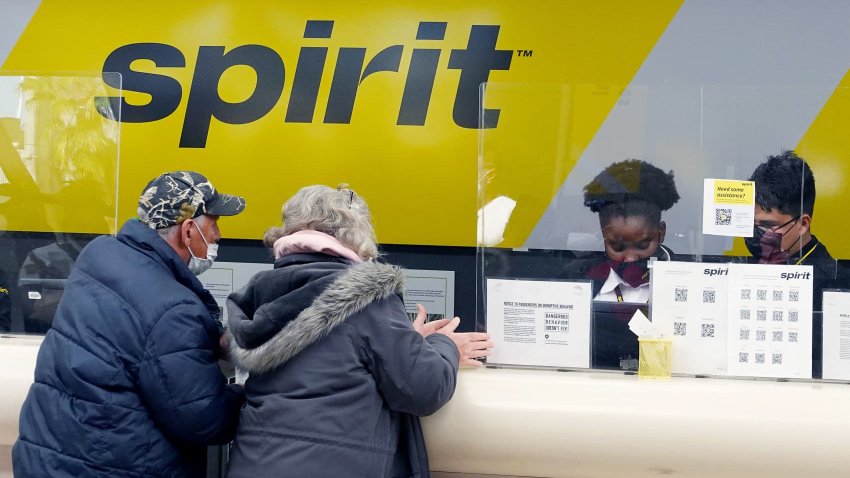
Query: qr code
pixel 708 296
pixel 745 314
pixel 707 330
pixel 777 295
pixel 681 295
pixel 761 315
pixel 759 358
pixel 776 359
pixel 793 316
pixel 680 328
pixel 722 217
pixel 777 336
pixel 792 336
pixel 794 296
pixel 743 357
pixel 777 316
pixel 761 335
pixel 761 294
pixel 746 294
pixel 745 334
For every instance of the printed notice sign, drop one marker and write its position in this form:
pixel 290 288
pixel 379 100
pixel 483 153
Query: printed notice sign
pixel 544 323
pixel 770 321
pixel 728 207
pixel 435 290
pixel 689 306
pixel 836 335
pixel 225 277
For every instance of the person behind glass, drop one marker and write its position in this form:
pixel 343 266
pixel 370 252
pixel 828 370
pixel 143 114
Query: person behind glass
pixel 127 381
pixel 782 234
pixel 785 205
pixel 339 375
pixel 629 197
pixel 54 261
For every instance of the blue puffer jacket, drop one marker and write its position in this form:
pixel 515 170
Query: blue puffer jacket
pixel 127 382
pixel 339 377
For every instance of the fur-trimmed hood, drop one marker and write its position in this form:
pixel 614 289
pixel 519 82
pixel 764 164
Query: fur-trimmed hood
pixel 331 294
pixel 337 388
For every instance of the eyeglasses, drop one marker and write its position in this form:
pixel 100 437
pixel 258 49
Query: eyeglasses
pixel 761 230
pixel 350 194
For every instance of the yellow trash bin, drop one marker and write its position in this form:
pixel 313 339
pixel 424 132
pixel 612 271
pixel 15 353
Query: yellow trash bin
pixel 654 358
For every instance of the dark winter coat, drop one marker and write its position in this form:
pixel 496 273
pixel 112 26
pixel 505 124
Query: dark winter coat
pixel 127 382
pixel 338 377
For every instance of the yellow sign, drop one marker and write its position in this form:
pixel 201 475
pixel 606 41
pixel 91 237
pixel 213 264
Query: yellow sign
pixel 734 192
pixel 268 99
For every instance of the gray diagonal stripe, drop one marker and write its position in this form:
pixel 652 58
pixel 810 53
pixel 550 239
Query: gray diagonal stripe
pixel 771 66
pixel 13 21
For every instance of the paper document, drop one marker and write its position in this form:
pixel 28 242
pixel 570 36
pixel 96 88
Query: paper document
pixel 836 335
pixel 689 307
pixel 770 321
pixel 435 290
pixel 544 323
pixel 728 207
pixel 225 277
pixel 643 328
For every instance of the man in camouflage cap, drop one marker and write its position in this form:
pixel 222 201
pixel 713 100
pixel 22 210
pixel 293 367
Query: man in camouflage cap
pixel 171 198
pixel 127 381
pixel 183 205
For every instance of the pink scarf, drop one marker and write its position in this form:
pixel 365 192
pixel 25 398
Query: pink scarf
pixel 312 241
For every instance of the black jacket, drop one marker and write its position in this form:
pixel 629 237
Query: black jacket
pixel 826 276
pixel 338 375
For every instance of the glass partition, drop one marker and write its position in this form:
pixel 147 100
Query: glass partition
pixel 59 146
pixel 599 201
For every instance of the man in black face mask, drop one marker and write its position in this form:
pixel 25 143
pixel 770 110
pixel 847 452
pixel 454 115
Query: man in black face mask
pixel 785 203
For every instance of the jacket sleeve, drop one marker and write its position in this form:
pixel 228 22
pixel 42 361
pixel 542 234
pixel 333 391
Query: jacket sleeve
pixel 415 375
pixel 181 383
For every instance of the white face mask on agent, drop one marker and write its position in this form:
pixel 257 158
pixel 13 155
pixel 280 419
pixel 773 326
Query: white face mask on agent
pixel 197 265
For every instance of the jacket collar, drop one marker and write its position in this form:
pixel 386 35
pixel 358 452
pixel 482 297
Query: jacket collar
pixel 307 258
pixel 357 287
pixel 145 240
pixel 805 250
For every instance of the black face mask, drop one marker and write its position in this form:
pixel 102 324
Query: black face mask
pixel 754 243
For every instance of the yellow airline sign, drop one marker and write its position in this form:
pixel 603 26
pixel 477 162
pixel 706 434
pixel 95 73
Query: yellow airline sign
pixel 269 97
pixel 734 192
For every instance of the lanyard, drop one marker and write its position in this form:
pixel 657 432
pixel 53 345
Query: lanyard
pixel 619 293
pixel 807 255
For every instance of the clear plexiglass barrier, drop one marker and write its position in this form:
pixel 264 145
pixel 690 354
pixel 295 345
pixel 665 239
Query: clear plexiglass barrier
pixel 59 144
pixel 665 230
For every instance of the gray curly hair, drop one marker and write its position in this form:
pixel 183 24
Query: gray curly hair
pixel 339 212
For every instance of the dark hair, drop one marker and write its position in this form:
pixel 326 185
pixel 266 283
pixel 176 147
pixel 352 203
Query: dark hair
pixel 785 182
pixel 631 188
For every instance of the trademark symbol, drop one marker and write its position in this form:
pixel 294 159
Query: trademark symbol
pixel 524 53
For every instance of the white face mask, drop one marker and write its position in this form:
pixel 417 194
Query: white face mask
pixel 197 265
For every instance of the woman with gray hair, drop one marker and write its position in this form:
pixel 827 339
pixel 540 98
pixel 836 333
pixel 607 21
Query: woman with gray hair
pixel 339 375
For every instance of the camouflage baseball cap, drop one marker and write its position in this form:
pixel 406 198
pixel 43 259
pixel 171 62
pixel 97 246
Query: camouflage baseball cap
pixel 174 197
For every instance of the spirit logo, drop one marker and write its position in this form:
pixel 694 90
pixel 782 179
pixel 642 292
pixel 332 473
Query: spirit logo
pixel 204 103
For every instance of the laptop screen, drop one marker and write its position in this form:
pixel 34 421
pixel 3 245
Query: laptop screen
pixel 613 345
